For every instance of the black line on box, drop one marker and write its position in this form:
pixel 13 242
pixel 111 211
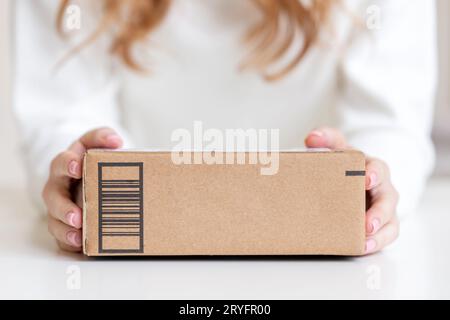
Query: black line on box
pixel 355 173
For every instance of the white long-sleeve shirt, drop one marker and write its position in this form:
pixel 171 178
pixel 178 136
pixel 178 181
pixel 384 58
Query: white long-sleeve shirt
pixel 375 84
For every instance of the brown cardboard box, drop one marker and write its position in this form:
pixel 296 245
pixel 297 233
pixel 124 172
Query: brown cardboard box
pixel 141 203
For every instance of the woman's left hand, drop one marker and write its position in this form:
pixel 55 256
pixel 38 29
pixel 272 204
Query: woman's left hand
pixel 382 226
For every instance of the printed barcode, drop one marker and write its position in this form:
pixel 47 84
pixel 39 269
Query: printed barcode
pixel 120 207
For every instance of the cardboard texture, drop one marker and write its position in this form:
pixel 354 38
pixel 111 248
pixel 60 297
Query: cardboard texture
pixel 141 203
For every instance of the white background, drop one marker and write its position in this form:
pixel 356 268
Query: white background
pixel 10 163
pixel 10 156
pixel 8 135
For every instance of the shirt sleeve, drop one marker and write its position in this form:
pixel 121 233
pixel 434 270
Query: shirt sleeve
pixel 387 80
pixel 56 105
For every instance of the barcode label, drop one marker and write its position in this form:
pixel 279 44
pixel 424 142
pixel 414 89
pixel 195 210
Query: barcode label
pixel 121 212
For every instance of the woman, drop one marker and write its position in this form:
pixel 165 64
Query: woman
pixel 361 72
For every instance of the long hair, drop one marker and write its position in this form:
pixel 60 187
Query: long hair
pixel 133 20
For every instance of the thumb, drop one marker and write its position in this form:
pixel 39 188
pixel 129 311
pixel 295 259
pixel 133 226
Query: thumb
pixel 326 137
pixel 97 138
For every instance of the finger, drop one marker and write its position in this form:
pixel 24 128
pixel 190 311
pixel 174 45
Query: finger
pixel 61 207
pixel 326 137
pixel 381 210
pixel 384 197
pixel 68 248
pixel 66 164
pixel 101 138
pixel 97 138
pixel 377 173
pixel 64 234
pixel 384 237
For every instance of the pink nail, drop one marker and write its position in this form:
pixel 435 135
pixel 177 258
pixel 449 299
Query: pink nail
pixel 74 219
pixel 371 244
pixel 73 168
pixel 70 217
pixel 316 133
pixel 373 180
pixel 375 225
pixel 74 238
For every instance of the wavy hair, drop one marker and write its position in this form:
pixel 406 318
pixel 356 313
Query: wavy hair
pixel 133 20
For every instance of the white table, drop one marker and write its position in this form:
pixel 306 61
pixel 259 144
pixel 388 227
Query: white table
pixel 417 266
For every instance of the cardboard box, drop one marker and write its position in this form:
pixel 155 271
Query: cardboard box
pixel 142 203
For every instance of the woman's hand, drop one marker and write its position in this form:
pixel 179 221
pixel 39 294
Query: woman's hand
pixel 382 226
pixel 63 187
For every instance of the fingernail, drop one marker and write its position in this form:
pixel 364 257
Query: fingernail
pixel 74 219
pixel 74 238
pixel 70 217
pixel 373 179
pixel 371 244
pixel 316 133
pixel 114 139
pixel 73 168
pixel 375 225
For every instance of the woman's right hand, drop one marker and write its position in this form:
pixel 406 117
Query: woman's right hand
pixel 62 192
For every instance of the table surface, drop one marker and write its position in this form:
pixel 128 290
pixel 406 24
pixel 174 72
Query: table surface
pixel 416 266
